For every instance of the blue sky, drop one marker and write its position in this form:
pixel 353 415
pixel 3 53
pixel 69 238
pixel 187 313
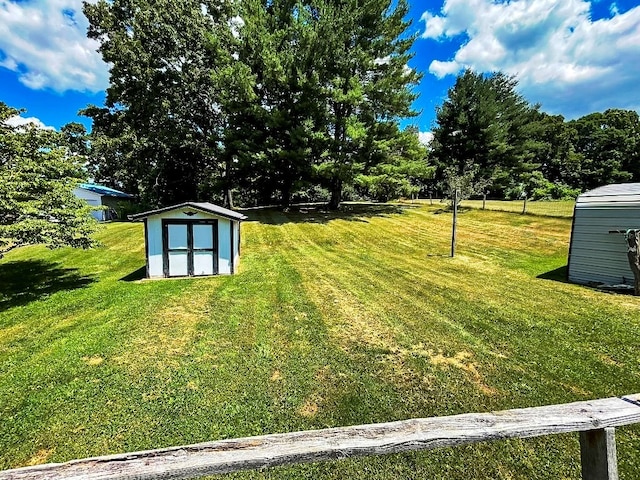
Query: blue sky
pixel 571 56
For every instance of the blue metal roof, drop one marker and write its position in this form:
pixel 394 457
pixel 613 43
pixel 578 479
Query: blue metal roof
pixel 102 190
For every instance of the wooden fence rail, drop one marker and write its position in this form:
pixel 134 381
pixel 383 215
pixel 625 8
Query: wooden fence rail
pixel 594 419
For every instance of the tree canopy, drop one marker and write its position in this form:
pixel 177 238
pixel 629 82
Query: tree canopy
pixel 265 98
pixel 488 134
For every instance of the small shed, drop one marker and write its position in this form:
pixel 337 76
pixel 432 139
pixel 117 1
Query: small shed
pixel 191 239
pixel 598 249
pixel 101 196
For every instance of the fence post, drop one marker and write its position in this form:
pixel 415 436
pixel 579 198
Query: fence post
pixel 598 454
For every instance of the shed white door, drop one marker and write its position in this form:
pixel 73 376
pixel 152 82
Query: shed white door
pixel 189 247
pixel 203 249
pixel 178 250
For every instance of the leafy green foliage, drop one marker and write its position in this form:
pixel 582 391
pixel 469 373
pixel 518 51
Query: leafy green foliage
pixel 402 169
pixel 365 86
pixel 38 171
pixel 173 72
pixel 486 127
pixel 272 133
pixel 457 187
pixel 535 187
pixel 480 130
pixel 264 97
pixel 609 144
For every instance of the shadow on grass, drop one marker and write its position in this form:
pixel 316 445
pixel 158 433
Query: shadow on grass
pixel 557 275
pixel 449 210
pixel 318 213
pixel 560 275
pixel 136 275
pixel 25 281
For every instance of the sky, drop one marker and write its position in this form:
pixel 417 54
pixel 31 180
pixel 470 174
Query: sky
pixel 572 57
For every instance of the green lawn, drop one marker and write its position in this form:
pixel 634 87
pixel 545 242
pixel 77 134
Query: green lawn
pixel 551 208
pixel 556 208
pixel 332 320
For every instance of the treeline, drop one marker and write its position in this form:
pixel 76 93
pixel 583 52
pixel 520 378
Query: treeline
pixel 256 102
pixel 491 140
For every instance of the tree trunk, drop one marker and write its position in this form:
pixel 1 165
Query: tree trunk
pixel 633 254
pixel 228 198
pixel 228 193
pixel 285 199
pixel 336 194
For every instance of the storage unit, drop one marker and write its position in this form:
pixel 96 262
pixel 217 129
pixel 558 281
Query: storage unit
pixel 101 196
pixel 598 249
pixel 191 239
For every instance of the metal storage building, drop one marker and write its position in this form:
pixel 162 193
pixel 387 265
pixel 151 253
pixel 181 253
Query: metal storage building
pixel 101 196
pixel 191 239
pixel 598 249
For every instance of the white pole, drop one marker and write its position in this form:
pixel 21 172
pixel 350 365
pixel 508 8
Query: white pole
pixel 455 221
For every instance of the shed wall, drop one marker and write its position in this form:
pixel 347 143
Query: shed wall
pixel 236 248
pixel 597 255
pixel 224 246
pixel 154 233
pixel 93 199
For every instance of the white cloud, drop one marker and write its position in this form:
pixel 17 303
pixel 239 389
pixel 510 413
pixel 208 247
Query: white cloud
pixel 18 121
pixel 434 26
pixel 425 137
pixel 442 69
pixel 564 60
pixel 46 44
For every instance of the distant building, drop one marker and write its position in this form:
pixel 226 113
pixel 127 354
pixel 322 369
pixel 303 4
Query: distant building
pixel 598 249
pixel 191 239
pixel 100 196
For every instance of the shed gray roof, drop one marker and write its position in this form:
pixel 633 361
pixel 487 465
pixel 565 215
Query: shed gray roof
pixel 615 189
pixel 615 195
pixel 202 206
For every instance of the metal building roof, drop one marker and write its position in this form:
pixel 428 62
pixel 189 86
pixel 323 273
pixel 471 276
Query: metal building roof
pixel 202 206
pixel 102 190
pixel 615 189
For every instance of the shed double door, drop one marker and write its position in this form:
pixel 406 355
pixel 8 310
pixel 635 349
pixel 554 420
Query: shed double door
pixel 190 247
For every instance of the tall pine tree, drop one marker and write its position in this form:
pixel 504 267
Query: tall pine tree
pixel 366 85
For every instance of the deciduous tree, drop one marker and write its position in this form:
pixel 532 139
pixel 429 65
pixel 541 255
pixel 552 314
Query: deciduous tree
pixel 173 70
pixel 38 171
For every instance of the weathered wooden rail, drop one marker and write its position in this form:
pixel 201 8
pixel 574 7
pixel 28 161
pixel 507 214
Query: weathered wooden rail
pixel 595 420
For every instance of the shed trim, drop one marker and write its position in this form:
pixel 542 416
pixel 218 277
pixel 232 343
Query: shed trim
pixel 573 228
pixel 146 248
pixel 190 245
pixel 231 249
pixel 205 207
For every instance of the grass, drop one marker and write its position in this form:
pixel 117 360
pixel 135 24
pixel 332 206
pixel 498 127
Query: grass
pixel 334 319
pixel 557 208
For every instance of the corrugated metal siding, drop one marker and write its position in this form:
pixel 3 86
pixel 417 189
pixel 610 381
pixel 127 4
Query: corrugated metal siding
pixel 597 255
